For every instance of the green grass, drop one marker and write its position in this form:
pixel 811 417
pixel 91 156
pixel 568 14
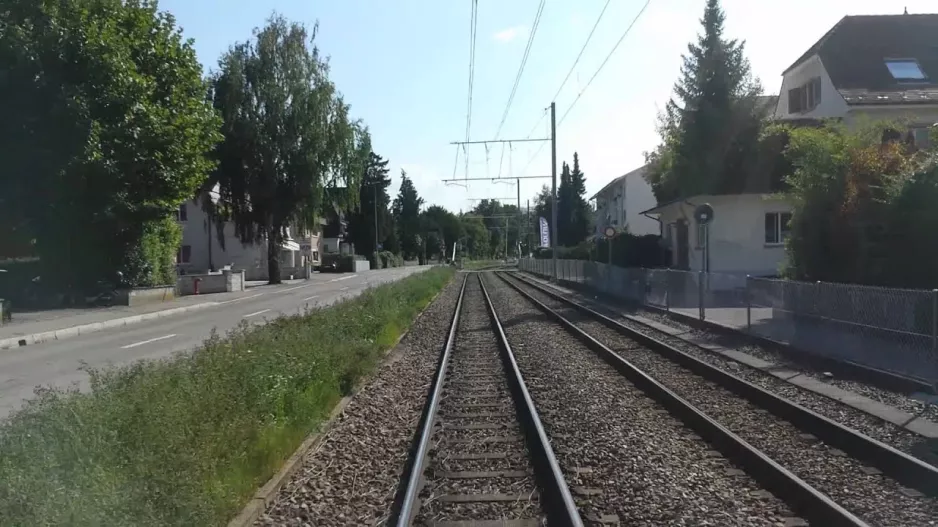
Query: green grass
pixel 187 440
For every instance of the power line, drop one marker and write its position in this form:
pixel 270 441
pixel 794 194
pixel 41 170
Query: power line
pixel 524 61
pixel 601 66
pixel 582 49
pixel 473 25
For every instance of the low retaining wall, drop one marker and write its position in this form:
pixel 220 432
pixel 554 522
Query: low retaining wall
pixel 139 296
pixel 223 282
pixel 260 273
pixel 361 266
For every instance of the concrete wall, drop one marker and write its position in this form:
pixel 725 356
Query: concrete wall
pixel 737 233
pixel 260 273
pixel 831 105
pixel 145 295
pixel 361 266
pixel 223 282
pixel 639 197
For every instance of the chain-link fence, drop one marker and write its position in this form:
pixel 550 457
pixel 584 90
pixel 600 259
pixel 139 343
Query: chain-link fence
pixel 890 329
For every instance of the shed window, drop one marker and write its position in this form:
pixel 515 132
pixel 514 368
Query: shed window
pixel 777 227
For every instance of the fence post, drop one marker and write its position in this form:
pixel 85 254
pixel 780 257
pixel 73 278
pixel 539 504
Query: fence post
pixel 667 290
pixel 700 293
pixel 934 321
pixel 748 305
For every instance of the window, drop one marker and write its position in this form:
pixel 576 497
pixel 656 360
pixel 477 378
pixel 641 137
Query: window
pixel 701 235
pixel 806 97
pixel 777 227
pixel 315 256
pixel 183 213
pixel 905 70
pixel 184 255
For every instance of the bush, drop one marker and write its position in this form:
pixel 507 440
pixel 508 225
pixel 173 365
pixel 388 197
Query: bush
pixel 187 440
pixel 628 250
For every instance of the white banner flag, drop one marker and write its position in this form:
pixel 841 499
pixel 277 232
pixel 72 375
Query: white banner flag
pixel 545 235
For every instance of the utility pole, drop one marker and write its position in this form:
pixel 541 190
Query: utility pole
pixel 553 174
pixel 375 188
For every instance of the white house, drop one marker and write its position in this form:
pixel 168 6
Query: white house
pixel 201 250
pixel 865 67
pixel 746 234
pixel 621 202
pixel 875 67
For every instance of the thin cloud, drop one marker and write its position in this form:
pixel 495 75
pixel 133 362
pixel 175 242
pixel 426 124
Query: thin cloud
pixel 509 34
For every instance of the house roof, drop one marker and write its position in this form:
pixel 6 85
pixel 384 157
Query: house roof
pixel 657 209
pixel 617 180
pixel 854 51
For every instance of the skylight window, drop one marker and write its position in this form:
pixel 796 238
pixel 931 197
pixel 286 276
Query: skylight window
pixel 905 70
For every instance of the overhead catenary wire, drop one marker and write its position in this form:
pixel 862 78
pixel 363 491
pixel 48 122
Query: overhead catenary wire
pixel 601 66
pixel 595 74
pixel 582 49
pixel 473 26
pixel 524 61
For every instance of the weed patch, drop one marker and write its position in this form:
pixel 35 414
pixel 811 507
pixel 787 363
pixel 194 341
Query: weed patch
pixel 187 440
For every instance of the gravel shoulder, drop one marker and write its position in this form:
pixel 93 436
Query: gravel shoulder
pixel 876 499
pixel 625 457
pixel 352 476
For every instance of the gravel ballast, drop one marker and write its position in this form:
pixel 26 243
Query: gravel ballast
pixel 625 457
pixel 873 497
pixel 352 476
pixel 478 451
pixel 859 420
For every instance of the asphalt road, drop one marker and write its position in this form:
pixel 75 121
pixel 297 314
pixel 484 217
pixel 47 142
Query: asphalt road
pixel 57 363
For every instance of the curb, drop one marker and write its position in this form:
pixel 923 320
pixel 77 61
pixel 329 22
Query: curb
pixel 268 493
pixel 74 331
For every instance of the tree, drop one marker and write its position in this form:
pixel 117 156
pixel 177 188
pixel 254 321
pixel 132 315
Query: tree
pixel 105 131
pixel 710 132
pixel 406 211
pixel 574 214
pixel 476 242
pixel 362 223
pixel 863 208
pixel 445 227
pixel 288 136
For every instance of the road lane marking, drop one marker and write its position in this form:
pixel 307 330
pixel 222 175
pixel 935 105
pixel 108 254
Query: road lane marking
pixel 344 289
pixel 142 342
pixel 240 299
pixel 295 288
pixel 343 278
pixel 256 313
pixel 307 299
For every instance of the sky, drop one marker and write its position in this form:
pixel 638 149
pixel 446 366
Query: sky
pixel 403 66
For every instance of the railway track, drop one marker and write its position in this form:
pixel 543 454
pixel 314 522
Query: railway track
pixel 481 455
pixel 828 473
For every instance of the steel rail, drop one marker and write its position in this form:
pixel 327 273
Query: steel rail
pixel 558 504
pixel 804 499
pixel 415 477
pixel 898 465
pixel 560 508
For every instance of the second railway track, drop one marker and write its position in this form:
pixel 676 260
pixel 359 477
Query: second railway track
pixel 845 470
pixel 481 456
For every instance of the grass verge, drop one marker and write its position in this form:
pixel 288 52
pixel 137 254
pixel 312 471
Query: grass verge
pixel 187 440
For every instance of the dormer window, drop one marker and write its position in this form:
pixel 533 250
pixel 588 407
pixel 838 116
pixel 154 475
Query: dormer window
pixel 905 70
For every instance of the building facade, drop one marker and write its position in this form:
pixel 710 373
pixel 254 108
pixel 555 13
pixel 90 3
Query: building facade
pixel 620 204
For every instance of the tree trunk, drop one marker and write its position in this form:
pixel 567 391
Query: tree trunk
pixel 273 259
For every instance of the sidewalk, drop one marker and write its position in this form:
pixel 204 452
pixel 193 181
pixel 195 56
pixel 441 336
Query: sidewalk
pixel 40 326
